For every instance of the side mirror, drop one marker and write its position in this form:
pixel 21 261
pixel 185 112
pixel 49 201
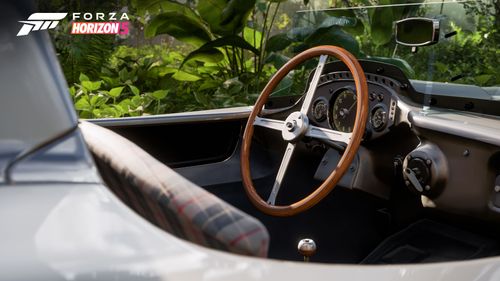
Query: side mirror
pixel 417 32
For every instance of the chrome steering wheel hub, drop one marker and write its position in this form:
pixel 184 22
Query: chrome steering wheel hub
pixel 296 125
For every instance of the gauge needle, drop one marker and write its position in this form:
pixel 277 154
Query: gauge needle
pixel 346 111
pixel 349 110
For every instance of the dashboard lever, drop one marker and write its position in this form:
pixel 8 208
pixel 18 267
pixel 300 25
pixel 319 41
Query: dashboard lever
pixel 413 179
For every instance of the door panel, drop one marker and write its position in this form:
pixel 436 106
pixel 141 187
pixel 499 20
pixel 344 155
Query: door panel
pixel 181 145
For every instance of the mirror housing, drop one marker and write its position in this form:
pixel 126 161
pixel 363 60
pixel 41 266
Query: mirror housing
pixel 417 32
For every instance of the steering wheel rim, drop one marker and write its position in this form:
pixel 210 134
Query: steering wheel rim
pixel 353 142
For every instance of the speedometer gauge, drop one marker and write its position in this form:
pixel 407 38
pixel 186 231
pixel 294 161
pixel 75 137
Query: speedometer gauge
pixel 344 111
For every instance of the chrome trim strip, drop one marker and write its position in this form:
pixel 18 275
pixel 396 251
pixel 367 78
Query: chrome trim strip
pixel 234 113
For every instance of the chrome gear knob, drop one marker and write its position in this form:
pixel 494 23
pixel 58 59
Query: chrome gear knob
pixel 307 248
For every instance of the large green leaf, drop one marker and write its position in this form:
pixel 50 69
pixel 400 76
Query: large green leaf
pixel 276 59
pixel 382 18
pixel 180 26
pixel 134 90
pixel 158 95
pixel 83 104
pixel 210 55
pixel 186 77
pixel 300 33
pixel 252 36
pixel 333 36
pixel 164 70
pixel 299 48
pixel 211 47
pixel 381 23
pixel 278 42
pixel 348 20
pixel 482 79
pixel 209 84
pixel 110 112
pixel 401 12
pixel 83 77
pixel 91 86
pixel 97 100
pixel 225 17
pixel 232 86
pixel 115 92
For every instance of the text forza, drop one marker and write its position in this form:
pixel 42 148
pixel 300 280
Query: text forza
pixel 100 16
pixel 100 23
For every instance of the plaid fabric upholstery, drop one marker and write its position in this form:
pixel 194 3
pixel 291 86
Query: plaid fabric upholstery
pixel 170 201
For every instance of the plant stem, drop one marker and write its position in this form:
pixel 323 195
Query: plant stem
pixel 235 61
pixel 228 55
pixel 254 40
pixel 271 26
pixel 242 60
pixel 264 26
pixel 260 61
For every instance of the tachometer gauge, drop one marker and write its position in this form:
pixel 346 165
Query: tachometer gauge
pixel 344 111
pixel 378 118
pixel 320 110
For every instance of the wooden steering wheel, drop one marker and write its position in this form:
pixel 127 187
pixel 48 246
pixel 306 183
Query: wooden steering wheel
pixel 296 126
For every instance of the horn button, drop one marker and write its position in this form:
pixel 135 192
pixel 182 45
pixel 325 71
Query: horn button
pixel 296 125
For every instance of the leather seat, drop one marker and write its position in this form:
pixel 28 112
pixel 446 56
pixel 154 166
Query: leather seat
pixel 170 201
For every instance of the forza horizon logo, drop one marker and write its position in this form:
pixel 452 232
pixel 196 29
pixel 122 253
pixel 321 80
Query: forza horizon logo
pixel 98 23
pixel 40 21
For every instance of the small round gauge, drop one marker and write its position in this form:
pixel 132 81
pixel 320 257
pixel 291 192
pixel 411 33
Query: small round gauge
pixel 379 118
pixel 344 111
pixel 320 110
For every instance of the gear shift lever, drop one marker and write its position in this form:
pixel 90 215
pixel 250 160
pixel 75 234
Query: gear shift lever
pixel 307 248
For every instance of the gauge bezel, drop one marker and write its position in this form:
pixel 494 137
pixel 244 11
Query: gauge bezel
pixel 372 113
pixel 333 99
pixel 327 103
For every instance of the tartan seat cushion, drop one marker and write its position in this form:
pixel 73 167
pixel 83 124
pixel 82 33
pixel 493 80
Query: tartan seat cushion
pixel 170 201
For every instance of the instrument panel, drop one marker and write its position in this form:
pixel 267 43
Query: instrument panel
pixel 334 104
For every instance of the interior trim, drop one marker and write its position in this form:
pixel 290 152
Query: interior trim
pixel 457 123
pixel 223 114
pixel 461 124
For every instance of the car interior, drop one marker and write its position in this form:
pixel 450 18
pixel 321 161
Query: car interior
pixel 412 192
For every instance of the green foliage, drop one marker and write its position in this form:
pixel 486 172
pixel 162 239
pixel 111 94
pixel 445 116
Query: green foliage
pixel 180 26
pixel 219 29
pixel 225 17
pixel 209 52
pixel 469 57
pixel 226 50
pixel 148 80
pixel 82 53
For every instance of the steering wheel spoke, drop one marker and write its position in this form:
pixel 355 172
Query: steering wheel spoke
pixel 281 173
pixel 328 135
pixel 313 85
pixel 269 123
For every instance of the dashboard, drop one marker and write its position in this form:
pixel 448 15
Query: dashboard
pixel 447 154
pixel 334 104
